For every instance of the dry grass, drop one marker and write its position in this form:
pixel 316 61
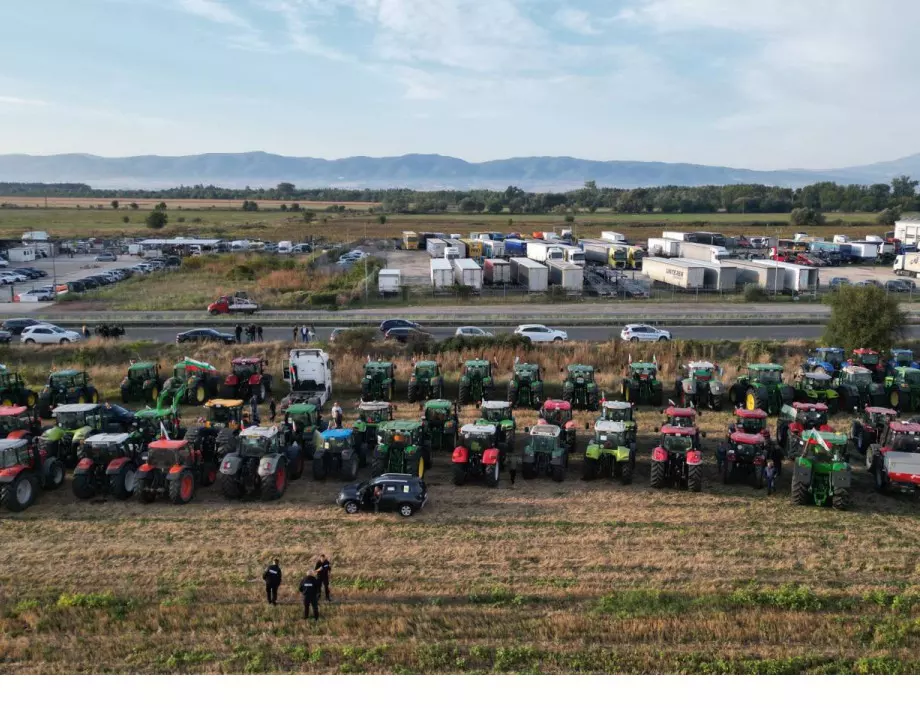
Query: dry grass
pixel 577 577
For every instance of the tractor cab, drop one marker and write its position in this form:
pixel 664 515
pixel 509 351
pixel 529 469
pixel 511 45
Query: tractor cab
pixel 580 374
pixel 401 448
pixel 826 359
pixel 189 368
pixel 618 411
pixel 806 416
pixel 610 435
pixel 526 385
pixel 166 454
pixel 425 381
pixel 526 374
pixel 476 381
pixel 823 446
pixel 337 440
pixel 258 441
pixel 224 413
pixel 751 422
pixel 304 417
pixel 142 382
pixel 902 437
pixel 858 376
pixel 375 412
pixel 105 447
pixel 440 423
pixel 378 383
pixel 142 371
pixel 643 371
pixel 701 370
pixel 747 446
pixel 545 438
pixel 679 440
pixel 247 377
pixel 817 386
pixel 765 374
pixel 243 368
pixel 497 412
pixel 478 368
pixel 816 381
pixel 902 357
pixel 700 385
pixel 870 359
pixel 19 422
pixel 680 417
pixel 478 437
pixel 579 387
pixel 400 433
pixel 152 422
pixel 557 413
pixel 439 411
pixel 903 389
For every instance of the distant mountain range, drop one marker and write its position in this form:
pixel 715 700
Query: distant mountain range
pixel 258 169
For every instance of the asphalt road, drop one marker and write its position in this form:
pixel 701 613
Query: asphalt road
pixel 593 334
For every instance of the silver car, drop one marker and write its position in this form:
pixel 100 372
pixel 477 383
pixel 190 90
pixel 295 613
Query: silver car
pixel 644 333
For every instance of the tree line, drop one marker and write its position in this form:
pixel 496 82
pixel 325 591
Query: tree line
pixel 900 195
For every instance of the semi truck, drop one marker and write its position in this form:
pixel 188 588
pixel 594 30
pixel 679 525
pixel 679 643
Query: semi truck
pixel 541 251
pixel 702 251
pixel 907 265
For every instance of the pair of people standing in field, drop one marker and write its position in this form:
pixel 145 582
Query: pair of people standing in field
pixel 310 587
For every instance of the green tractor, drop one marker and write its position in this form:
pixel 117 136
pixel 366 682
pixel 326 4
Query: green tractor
pixel 545 453
pixel 192 382
pixel 142 382
pixel 305 420
pixel 476 383
pixel 821 474
pixel 500 414
pixel 156 423
pixel 75 422
pixel 13 390
pixel 817 387
pixel 525 389
pixel 641 384
pixel 66 386
pixel 370 415
pixel 610 453
pixel 620 412
pixel 699 386
pixel 580 388
pixel 903 389
pixel 379 382
pixel 401 449
pixel 441 423
pixel 425 382
pixel 761 387
pixel 856 389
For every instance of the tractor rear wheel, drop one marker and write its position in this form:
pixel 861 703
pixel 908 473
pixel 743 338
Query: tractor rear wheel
pixel 231 487
pixel 841 499
pixel 881 479
pixel 412 394
pixel 558 473
pixel 182 489
pixel 319 469
pixel 20 493
pixel 122 484
pixel 695 478
pixel 52 473
pixel 464 393
pixel 83 487
pixel 297 468
pixel 715 401
pixel 491 475
pixel 627 470
pixel 799 493
pixel 458 473
pixel 761 399
pixel 590 470
pixel 656 478
pixel 273 485
pixel 225 443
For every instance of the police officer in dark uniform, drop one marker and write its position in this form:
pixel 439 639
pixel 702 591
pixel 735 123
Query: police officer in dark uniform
pixel 272 578
pixel 309 588
pixel 322 568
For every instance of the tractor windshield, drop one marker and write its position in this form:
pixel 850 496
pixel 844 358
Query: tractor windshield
pixel 478 442
pixel 878 420
pixel 819 384
pixel 164 458
pixel 860 379
pixel 905 443
pixel 677 443
pixel 582 375
pixel 9 423
pixel 768 376
pixel 904 358
pixel 612 440
pixel 747 451
pixel 496 415
pixel 618 414
pixel 244 371
pixel 437 415
pixel 869 359
pixel 336 444
pixel 813 419
pixel 223 414
pixel 912 377
pixel 252 446
pixel 702 374
pixel 832 357
pixel 141 374
pixel 304 420
pixel 557 416
pixel 103 451
pixel 12 456
pixel 72 420
pixel 480 370
pixel 752 425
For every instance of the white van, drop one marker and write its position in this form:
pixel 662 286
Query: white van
pixel 286 247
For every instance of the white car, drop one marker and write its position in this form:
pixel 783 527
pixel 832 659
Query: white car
pixel 472 332
pixel 48 334
pixel 16 277
pixel 644 333
pixel 541 333
pixel 34 296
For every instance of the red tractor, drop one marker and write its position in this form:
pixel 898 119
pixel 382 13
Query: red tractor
pixel 247 377
pixel 869 359
pixel 559 413
pixel 19 422
pixel 173 468
pixel 752 422
pixel 677 461
pixel 24 469
pixel 680 417
pixel 745 459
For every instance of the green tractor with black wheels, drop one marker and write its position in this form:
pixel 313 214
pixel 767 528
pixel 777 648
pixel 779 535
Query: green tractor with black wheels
pixel 817 387
pixel 337 451
pixel 610 453
pixel 197 381
pixel 425 381
pixel 761 387
pixel 305 420
pixel 441 423
pixel 401 449
pixel 13 390
pixel 856 389
pixel 620 412
pixel 903 389
pixel 370 415
pixel 525 389
pixel 641 384
pixel 821 475
pixel 476 383
pixel 63 387
pixel 580 389
pixel 545 453
pixel 699 386
pixel 501 415
pixel 379 382
pixel 142 383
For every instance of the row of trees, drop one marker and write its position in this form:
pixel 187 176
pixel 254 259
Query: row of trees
pixel 900 194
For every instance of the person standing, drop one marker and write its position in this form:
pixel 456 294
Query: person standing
pixel 272 408
pixel 769 474
pixel 337 414
pixel 323 568
pixel 303 334
pixel 309 588
pixel 272 578
pixel 294 330
pixel 239 333
pixel 259 333
pixel 254 409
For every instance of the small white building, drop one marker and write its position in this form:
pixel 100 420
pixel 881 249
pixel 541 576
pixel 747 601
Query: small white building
pixel 36 236
pixel 21 254
pixel 388 281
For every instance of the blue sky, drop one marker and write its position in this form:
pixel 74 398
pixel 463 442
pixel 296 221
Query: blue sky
pixel 747 83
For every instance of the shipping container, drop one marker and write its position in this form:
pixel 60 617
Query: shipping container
pixel 566 275
pixel 468 273
pixel 866 250
pixel 493 249
pixel 664 248
pixel 769 277
pixel 707 237
pixel 388 281
pixel 797 279
pixel 540 251
pixel 473 247
pixel 613 236
pixel 534 276
pixel 702 251
pixel 442 274
pixel 674 272
pixel 515 247
pixel 496 271
pixel 716 276
pixel 907 231
pixel 458 244
pixel 435 247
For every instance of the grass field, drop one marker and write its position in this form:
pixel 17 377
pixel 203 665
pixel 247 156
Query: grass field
pixel 539 578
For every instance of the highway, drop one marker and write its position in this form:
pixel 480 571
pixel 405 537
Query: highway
pixel 592 334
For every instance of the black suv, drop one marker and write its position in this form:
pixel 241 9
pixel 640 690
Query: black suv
pixel 404 493
pixel 387 325
pixel 18 325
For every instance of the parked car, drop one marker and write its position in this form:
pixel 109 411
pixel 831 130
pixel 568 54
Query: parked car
pixel 12 276
pixel 106 258
pixel 5 337
pixel 389 324
pixel 26 272
pixel 909 283
pixel 870 283
pixel 403 493
pixel 336 332
pixel 837 283
pixel 404 334
pixel 16 326
pixel 49 334
pixel 34 296
pixel 896 286
pixel 472 332
pixel 76 286
pixel 541 333
pixel 644 333
pixel 205 335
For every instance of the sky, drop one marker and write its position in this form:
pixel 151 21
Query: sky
pixel 763 84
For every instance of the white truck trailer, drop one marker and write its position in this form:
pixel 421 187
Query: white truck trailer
pixel 534 276
pixel 674 272
pixel 496 271
pixel 467 273
pixel 797 279
pixel 567 275
pixel 442 274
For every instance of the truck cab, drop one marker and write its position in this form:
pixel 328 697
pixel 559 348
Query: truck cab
pixel 309 374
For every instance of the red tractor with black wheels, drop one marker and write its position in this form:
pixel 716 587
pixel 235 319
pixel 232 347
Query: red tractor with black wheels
pixel 246 378
pixel 174 469
pixel 26 468
pixel 559 413
pixel 678 461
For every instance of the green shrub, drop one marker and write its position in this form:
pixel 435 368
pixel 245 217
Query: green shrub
pixel 754 293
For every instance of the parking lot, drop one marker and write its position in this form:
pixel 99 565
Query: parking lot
pixel 60 269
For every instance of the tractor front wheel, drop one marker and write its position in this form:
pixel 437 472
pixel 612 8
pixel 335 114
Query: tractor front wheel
pixel 558 473
pixel 590 470
pixel 273 485
pixel 464 393
pixel 20 493
pixel 182 489
pixel 627 470
pixel 231 487
pixel 458 474
pixel 656 477
pixel 799 493
pixel 841 499
pixel 412 394
pixel 528 471
pixel 491 474
pixel 122 484
pixel 695 478
pixel 83 487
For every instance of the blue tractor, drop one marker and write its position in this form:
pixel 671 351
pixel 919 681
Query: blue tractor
pixel 901 358
pixel 826 360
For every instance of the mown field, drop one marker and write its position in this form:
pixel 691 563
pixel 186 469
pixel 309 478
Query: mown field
pixel 538 578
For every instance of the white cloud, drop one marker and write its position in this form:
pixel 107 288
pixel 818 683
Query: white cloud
pixel 214 11
pixel 577 21
pixel 20 101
